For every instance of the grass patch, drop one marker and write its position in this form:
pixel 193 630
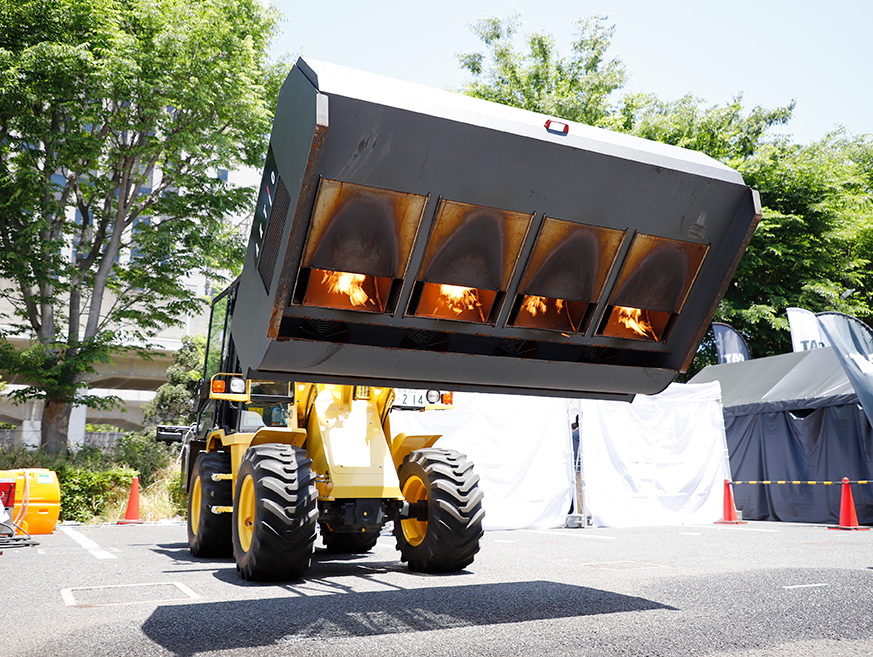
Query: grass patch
pixel 163 499
pixel 95 485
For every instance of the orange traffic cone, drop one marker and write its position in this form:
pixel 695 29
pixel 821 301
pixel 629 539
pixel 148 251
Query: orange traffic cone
pixel 131 516
pixel 729 514
pixel 848 517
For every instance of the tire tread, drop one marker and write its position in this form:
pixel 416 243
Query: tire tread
pixel 286 513
pixel 454 524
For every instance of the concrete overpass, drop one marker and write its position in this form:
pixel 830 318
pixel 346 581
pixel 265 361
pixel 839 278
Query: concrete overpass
pixel 129 377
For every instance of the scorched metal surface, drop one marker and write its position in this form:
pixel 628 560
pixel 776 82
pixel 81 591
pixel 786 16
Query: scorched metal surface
pixel 411 237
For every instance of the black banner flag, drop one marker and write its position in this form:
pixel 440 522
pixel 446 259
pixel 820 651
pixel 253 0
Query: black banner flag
pixel 729 344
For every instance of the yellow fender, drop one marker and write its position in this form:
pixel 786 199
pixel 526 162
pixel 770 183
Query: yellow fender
pixel 402 444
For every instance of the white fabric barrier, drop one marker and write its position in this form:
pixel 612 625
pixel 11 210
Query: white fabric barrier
pixel 520 448
pixel 660 460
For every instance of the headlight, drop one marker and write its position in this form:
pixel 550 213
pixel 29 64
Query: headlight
pixel 433 396
pixel 238 386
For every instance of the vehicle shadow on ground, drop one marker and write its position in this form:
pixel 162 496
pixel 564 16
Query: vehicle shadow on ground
pixel 310 614
pixel 325 564
pixel 181 553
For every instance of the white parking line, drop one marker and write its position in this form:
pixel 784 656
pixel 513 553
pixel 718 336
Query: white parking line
pixel 581 534
pixel 92 547
pixel 804 586
pixel 68 595
pixel 736 528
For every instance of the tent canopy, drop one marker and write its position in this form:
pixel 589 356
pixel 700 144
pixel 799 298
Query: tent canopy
pixel 794 418
pixel 787 382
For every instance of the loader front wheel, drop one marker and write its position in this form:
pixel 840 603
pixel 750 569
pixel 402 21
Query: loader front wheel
pixel 209 534
pixel 447 539
pixel 275 513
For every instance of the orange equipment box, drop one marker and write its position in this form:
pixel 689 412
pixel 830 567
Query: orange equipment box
pixel 37 502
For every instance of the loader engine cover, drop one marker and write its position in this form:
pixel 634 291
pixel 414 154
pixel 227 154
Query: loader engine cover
pixel 416 238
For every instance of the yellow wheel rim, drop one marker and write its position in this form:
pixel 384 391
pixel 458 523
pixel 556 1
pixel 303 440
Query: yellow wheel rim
pixel 414 530
pixel 195 506
pixel 245 519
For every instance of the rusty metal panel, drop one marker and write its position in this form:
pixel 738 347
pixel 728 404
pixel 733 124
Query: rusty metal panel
pixel 473 246
pixel 658 273
pixel 653 283
pixel 361 229
pixel 565 276
pixel 359 241
pixel 472 252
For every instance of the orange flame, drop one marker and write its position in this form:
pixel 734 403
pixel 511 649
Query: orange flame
pixel 459 299
pixel 351 285
pixel 546 313
pixel 632 318
pixel 534 305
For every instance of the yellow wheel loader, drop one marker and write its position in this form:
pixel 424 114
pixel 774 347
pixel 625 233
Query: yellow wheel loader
pixel 274 463
pixel 406 238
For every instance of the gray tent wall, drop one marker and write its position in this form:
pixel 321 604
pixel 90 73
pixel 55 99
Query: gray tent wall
pixel 794 417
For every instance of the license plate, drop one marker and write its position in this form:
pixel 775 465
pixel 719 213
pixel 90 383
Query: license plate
pixel 406 398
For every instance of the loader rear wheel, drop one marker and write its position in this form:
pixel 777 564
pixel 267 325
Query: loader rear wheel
pixel 275 513
pixel 348 542
pixel 209 534
pixel 448 539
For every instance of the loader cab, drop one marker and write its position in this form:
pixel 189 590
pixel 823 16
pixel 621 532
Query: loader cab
pixel 264 404
pixel 227 400
pixel 219 353
pixel 220 357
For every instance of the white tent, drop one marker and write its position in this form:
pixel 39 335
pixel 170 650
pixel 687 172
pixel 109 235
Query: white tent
pixel 520 447
pixel 659 460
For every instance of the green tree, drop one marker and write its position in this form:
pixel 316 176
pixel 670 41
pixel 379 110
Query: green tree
pixel 174 401
pixel 726 132
pixel 812 247
pixel 577 87
pixel 114 118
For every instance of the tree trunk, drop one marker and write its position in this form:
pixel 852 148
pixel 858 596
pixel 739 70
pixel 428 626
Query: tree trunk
pixel 55 424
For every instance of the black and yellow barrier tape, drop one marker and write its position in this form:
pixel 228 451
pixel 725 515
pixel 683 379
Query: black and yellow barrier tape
pixel 806 483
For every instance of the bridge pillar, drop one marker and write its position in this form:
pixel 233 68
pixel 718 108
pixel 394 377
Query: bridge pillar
pixel 76 427
pixel 31 427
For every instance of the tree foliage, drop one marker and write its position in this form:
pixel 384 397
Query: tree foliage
pixel 812 246
pixel 174 401
pixel 115 116
pixel 577 87
pixel 726 132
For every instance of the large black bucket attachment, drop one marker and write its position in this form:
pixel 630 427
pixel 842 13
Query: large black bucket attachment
pixel 411 237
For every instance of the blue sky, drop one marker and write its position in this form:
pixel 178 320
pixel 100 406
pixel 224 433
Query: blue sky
pixel 770 51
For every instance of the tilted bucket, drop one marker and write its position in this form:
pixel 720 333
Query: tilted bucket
pixel 411 237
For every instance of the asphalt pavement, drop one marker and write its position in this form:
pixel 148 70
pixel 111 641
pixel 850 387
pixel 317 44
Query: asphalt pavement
pixel 744 590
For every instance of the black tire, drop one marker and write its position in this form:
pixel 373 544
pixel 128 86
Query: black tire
pixel 348 542
pixel 275 513
pixel 209 533
pixel 449 539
